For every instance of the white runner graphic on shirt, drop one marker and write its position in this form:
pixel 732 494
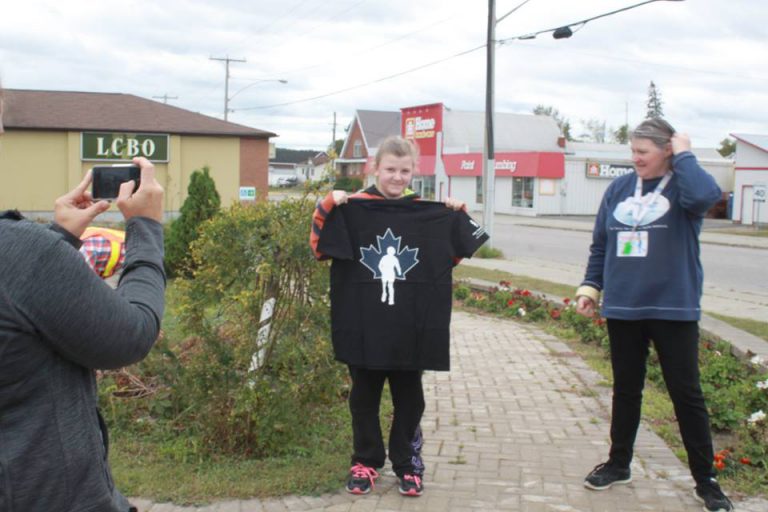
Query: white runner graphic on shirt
pixel 388 262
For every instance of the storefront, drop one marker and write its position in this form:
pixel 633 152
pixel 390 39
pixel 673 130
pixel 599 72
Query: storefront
pixel 536 171
pixel 53 138
pixel 750 205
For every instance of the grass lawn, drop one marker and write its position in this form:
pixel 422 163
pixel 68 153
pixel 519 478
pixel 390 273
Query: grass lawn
pixel 147 469
pixel 518 281
pixel 759 329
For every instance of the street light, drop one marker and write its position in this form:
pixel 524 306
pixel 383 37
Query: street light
pixel 227 110
pixel 562 32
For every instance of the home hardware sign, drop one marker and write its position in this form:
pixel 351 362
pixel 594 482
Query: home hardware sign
pixel 123 146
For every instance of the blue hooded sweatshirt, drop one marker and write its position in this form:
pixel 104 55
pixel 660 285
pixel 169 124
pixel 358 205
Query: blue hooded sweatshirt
pixel 662 279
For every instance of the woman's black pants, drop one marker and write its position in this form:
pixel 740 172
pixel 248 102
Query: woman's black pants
pixel 677 345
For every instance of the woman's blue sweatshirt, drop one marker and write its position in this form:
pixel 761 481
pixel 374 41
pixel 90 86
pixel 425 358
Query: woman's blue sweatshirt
pixel 665 284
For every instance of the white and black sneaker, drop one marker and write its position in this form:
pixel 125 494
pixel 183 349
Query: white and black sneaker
pixel 713 498
pixel 605 475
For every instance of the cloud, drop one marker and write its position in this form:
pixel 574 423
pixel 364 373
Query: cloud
pixel 705 56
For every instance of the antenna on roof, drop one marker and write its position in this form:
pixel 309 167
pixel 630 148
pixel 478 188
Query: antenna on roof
pixel 165 98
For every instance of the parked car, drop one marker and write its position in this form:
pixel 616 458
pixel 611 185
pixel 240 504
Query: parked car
pixel 287 181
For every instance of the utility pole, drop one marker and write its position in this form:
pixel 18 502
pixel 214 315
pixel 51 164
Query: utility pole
pixel 333 139
pixel 165 98
pixel 489 156
pixel 226 81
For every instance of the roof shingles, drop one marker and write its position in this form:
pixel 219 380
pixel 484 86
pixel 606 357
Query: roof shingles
pixel 113 112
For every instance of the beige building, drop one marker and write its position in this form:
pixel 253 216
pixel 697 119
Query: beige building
pixel 53 138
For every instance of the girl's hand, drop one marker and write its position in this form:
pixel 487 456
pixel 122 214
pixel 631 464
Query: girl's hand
pixel 339 197
pixel 585 306
pixel 454 204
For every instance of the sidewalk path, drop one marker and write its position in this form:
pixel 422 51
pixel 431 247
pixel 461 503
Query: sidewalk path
pixel 515 425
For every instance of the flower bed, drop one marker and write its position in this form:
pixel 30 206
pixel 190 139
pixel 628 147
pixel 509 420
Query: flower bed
pixel 736 391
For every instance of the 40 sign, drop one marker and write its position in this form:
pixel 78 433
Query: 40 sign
pixel 123 146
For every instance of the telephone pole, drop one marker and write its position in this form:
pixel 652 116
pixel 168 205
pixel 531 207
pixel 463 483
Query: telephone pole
pixel 333 138
pixel 226 81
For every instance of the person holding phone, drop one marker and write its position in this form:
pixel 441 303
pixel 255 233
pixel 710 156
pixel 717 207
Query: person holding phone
pixel 644 258
pixel 58 323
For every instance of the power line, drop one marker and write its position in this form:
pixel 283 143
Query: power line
pixel 382 79
pixel 530 35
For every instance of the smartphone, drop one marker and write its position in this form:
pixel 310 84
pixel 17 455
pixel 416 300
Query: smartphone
pixel 108 178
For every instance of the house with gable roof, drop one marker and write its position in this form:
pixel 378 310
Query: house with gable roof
pixel 750 204
pixel 366 131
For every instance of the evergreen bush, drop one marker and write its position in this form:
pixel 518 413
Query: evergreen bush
pixel 202 203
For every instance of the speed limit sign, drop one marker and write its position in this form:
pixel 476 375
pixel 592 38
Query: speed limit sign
pixel 759 193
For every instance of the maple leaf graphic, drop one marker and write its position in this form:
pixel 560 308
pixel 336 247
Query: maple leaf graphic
pixel 371 255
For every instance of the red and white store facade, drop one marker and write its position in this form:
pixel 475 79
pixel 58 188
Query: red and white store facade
pixel 557 178
pixel 523 178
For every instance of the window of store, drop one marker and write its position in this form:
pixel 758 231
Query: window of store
pixel 522 192
pixel 357 150
pixel 424 186
pixel 479 190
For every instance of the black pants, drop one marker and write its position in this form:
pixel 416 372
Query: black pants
pixel 405 435
pixel 677 344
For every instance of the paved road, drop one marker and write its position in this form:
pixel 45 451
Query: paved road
pixel 515 425
pixel 735 280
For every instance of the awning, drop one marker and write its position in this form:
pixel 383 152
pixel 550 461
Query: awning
pixel 524 164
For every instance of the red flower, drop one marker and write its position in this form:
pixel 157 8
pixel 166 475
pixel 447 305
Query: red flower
pixel 525 293
pixel 720 465
pixel 555 314
pixel 745 460
pixel 511 302
pixel 566 301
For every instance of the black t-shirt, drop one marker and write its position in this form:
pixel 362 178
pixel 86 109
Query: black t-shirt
pixel 391 280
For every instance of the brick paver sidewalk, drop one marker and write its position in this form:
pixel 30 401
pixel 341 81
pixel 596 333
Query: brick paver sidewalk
pixel 515 425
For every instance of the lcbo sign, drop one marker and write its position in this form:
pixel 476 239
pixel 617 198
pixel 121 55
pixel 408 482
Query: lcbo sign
pixel 124 146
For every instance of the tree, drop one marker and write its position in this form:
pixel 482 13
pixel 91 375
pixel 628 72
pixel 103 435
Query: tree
pixel 621 134
pixel 337 145
pixel 562 123
pixel 594 130
pixel 727 147
pixel 201 204
pixel 654 104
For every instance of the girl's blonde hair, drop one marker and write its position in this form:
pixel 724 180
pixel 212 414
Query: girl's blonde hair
pixel 397 146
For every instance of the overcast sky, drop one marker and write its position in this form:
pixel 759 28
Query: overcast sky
pixel 708 59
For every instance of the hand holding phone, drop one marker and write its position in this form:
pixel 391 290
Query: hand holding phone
pixel 108 178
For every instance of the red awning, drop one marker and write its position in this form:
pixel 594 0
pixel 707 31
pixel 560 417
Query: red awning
pixel 424 167
pixel 524 164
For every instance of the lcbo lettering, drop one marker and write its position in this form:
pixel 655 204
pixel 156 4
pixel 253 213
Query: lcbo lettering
pixel 126 147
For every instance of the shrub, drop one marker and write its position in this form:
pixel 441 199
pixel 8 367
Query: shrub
pixel 487 252
pixel 226 385
pixel 246 390
pixel 202 203
pixel 349 184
